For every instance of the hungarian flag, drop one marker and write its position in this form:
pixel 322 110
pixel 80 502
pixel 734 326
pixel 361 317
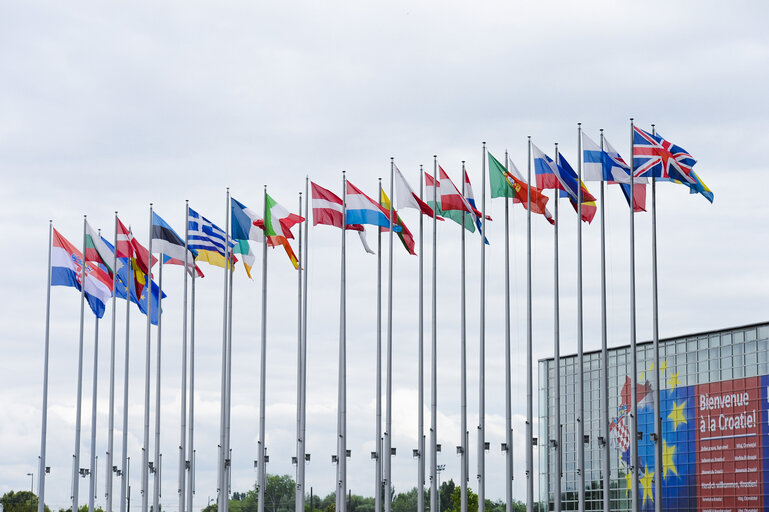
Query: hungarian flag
pixel 277 226
pixel 453 204
pixel 509 183
pixel 404 234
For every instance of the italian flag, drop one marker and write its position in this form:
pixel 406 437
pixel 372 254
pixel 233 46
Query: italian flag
pixel 277 226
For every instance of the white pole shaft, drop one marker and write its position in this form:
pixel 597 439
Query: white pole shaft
pixel 389 406
pixel 463 362
pixel 223 385
pixel 305 261
pixel 378 443
pixel 78 410
pixel 529 382
pixel 156 476
pixel 605 454
pixel 191 423
pixel 126 361
pixel 299 494
pixel 263 375
pixel 146 437
pixel 434 357
pixel 482 349
pixel 44 420
pixel 228 394
pixel 111 413
pixel 94 390
pixel 341 488
pixel 580 340
pixel 557 348
pixel 508 367
pixel 634 360
pixel 421 370
pixel 656 337
pixel 183 411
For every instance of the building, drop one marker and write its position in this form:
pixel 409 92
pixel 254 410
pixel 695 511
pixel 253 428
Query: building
pixel 715 423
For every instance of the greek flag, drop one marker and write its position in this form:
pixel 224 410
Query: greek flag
pixel 207 239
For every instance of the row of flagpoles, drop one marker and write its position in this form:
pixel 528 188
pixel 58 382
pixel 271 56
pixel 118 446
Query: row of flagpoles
pixel 122 269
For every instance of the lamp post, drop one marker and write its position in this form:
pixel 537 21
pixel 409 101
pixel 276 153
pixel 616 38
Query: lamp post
pixel 438 469
pixel 31 489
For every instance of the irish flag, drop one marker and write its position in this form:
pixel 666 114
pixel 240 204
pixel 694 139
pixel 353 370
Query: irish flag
pixel 277 226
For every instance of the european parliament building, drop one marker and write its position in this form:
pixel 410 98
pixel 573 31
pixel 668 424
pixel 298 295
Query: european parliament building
pixel 714 405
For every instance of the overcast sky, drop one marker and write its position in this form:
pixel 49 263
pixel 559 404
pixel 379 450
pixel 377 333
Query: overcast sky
pixel 111 107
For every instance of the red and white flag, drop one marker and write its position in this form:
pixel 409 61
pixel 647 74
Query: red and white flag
pixel 328 208
pixel 406 198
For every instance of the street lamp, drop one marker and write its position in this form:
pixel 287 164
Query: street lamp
pixel 31 490
pixel 438 469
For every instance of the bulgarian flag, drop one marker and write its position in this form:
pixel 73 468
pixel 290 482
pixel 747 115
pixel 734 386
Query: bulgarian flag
pixel 97 251
pixel 277 226
pixel 404 234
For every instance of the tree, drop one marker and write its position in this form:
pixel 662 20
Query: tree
pixel 279 494
pixel 21 501
pixel 456 500
pixel 444 495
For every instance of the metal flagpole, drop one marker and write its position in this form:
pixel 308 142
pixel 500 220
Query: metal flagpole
pixel 463 362
pixel 227 450
pixel 421 370
pixel 508 369
pixel 557 350
pixel 298 505
pixel 434 356
pixel 223 392
pixel 580 340
pixel 76 457
pixel 529 402
pixel 341 454
pixel 303 454
pixel 94 390
pixel 183 420
pixel 124 457
pixel 111 420
pixel 44 421
pixel 605 362
pixel 263 373
pixel 146 441
pixel 158 456
pixel 378 460
pixel 656 337
pixel 190 463
pixel 634 360
pixel 482 356
pixel 389 405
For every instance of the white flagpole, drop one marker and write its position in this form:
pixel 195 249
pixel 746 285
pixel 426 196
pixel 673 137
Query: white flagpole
pixel 656 333
pixel 227 450
pixel 379 452
pixel 557 348
pixel 529 383
pixel 158 457
pixel 482 355
pixel 305 260
pixel 508 369
pixel 111 420
pixel 94 388
pixel 605 456
pixel 421 370
pixel 183 420
pixel 434 355
pixel 299 498
pixel 580 340
pixel 463 362
pixel 389 406
pixel 222 497
pixel 126 360
pixel 78 413
pixel 44 421
pixel 263 372
pixel 191 446
pixel 341 487
pixel 146 441
pixel 634 360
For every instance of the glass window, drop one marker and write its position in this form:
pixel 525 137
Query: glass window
pixel 763 332
pixel 750 334
pixel 726 339
pixel 739 348
pixel 726 351
pixel 738 336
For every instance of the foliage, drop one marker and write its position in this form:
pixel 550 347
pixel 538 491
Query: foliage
pixel 21 501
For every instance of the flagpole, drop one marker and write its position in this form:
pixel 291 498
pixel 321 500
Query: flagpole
pixel 508 369
pixel 227 422
pixel 421 370
pixel 656 333
pixel 482 356
pixel 307 201
pixel 341 487
pixel 111 420
pixel 157 457
pixel 389 406
pixel 223 392
pixel 463 362
pixel 76 457
pixel 557 349
pixel 580 340
pixel 434 356
pixel 263 371
pixel 124 459
pixel 146 441
pixel 92 468
pixel 605 455
pixel 529 400
pixel 183 420
pixel 298 501
pixel 634 360
pixel 44 421
pixel 190 463
pixel 379 452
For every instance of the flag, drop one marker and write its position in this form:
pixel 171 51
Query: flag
pixel 431 183
pixel 361 209
pixel 453 203
pixel 652 158
pixel 510 183
pixel 96 251
pixel 66 270
pixel 327 208
pixel 588 206
pixel 686 162
pixel 406 198
pixel 167 242
pixel 129 247
pixel 621 175
pixel 550 175
pixel 603 165
pixel 277 226
pixel 243 231
pixel 207 239
pixel 404 234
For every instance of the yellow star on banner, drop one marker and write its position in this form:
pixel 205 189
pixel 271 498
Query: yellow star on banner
pixel 667 459
pixel 677 415
pixel 642 376
pixel 651 366
pixel 673 381
pixel 628 482
pixel 646 483
pixel 664 365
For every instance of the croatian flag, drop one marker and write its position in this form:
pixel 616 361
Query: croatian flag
pixel 361 209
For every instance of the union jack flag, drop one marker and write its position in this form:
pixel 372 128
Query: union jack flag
pixel 655 157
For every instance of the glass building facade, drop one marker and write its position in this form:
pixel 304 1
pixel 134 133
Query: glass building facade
pixel 714 407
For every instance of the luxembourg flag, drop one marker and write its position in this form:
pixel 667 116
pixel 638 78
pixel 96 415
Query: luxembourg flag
pixel 66 267
pixel 361 209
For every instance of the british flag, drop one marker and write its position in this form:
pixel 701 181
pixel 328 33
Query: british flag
pixel 655 157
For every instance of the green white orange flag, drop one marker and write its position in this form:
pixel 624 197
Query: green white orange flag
pixel 404 234
pixel 277 226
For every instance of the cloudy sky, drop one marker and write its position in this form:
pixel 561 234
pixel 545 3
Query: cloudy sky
pixel 111 107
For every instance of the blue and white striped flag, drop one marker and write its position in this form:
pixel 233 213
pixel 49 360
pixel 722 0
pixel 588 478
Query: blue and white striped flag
pixel 207 239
